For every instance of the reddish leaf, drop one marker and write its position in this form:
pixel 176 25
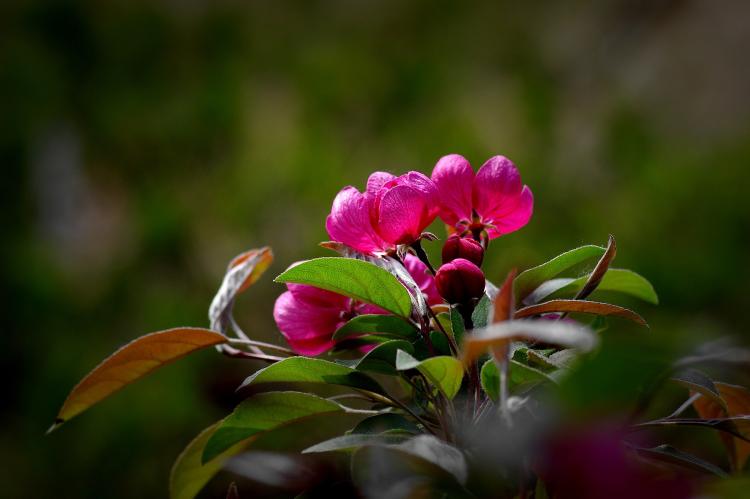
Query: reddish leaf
pixel 737 399
pixel 601 268
pixel 580 306
pixel 132 362
pixel 244 270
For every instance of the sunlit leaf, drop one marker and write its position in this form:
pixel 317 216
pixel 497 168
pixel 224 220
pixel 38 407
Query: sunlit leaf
pixel 443 371
pixel 189 475
pixel 242 272
pixel 132 362
pixel 580 306
pixel 263 412
pixel 621 281
pixel 356 279
pixel 529 280
pixel 383 325
pixel 554 332
pixel 309 370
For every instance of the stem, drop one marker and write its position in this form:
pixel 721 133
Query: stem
pixel 241 354
pixel 270 346
pixel 392 401
pixel 451 340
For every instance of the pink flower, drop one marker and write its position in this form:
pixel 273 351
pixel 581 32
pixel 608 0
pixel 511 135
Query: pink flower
pixel 308 316
pixel 494 199
pixel 392 211
pixel 423 278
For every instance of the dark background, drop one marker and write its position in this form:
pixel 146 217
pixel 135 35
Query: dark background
pixel 145 144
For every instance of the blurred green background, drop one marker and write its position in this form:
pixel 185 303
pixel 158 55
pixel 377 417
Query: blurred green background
pixel 144 144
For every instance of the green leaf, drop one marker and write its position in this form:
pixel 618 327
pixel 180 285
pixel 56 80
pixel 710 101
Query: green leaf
pixel 308 370
pixel 480 317
pixel 490 380
pixel 529 280
pixel 443 371
pixel 263 412
pixel 518 374
pixel 382 325
pixel 621 281
pixel 440 343
pixel 384 422
pixel 457 323
pixel 354 440
pixel 189 475
pixel 356 279
pixel 382 359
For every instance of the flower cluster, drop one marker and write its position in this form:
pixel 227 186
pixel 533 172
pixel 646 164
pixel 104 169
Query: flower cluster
pixel 389 219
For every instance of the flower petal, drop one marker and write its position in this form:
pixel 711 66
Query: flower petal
pixel 377 180
pixel 516 216
pixel 349 222
pixel 307 328
pixel 453 177
pixel 403 212
pixel 317 297
pixel 423 278
pixel 496 185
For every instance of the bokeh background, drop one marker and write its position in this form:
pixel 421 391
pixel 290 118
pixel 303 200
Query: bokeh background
pixel 144 144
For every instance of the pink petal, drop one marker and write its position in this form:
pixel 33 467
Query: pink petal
pixel 366 308
pixel 402 215
pixel 318 297
pixel 496 186
pixel 453 177
pixel 307 328
pixel 349 222
pixel 423 278
pixel 377 180
pixel 514 217
pixel 424 184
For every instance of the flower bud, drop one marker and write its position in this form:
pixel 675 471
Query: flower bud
pixel 463 247
pixel 460 281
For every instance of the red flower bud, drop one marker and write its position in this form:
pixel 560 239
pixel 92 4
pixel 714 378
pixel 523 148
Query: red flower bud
pixel 463 247
pixel 460 281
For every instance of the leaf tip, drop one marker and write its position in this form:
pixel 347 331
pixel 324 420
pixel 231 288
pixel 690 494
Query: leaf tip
pixel 58 423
